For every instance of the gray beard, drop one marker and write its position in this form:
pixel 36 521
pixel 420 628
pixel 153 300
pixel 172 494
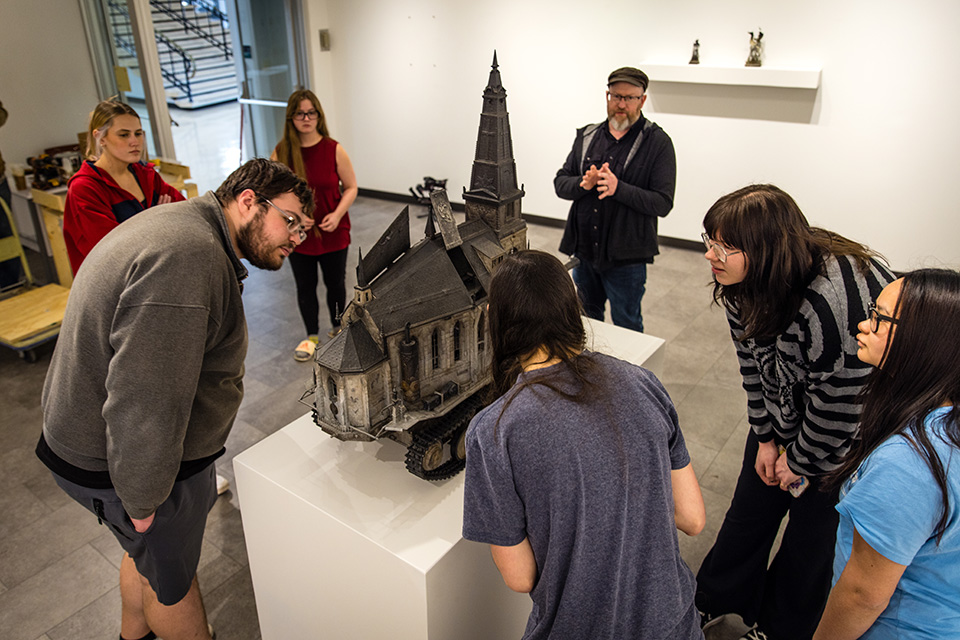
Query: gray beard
pixel 622 124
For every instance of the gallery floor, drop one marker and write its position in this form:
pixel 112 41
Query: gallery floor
pixel 58 567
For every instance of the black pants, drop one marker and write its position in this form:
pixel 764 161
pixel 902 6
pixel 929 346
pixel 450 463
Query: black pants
pixel 787 599
pixel 333 265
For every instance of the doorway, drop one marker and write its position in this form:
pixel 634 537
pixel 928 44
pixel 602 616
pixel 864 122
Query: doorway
pixel 271 64
pixel 268 53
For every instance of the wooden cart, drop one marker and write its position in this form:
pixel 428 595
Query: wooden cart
pixel 29 316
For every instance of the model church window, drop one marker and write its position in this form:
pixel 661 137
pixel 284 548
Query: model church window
pixel 456 342
pixel 481 333
pixel 435 349
pixel 333 388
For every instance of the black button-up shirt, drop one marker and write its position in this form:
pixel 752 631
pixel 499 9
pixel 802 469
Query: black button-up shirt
pixel 603 148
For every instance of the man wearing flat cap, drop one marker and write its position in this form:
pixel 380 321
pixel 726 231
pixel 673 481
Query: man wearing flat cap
pixel 621 176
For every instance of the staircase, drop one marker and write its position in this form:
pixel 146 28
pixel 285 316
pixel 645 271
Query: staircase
pixel 193 42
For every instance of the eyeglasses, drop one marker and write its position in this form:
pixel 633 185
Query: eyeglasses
pixel 875 318
pixel 313 114
pixel 718 249
pixel 616 97
pixel 293 223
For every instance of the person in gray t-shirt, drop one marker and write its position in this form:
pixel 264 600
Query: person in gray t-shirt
pixel 578 476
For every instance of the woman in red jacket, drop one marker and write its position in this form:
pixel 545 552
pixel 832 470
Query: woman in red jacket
pixel 113 184
pixel 312 154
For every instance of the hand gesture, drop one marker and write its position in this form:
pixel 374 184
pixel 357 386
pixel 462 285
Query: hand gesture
pixel 330 222
pixel 784 474
pixel 165 199
pixel 767 462
pixel 607 182
pixel 590 178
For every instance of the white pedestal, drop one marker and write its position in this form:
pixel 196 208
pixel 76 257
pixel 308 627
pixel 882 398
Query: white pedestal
pixel 343 542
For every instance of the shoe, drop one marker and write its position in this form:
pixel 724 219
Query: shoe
pixel 223 485
pixel 333 332
pixel 708 620
pixel 305 349
pixel 754 634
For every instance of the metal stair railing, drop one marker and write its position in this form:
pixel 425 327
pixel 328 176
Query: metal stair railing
pixel 172 56
pixel 193 24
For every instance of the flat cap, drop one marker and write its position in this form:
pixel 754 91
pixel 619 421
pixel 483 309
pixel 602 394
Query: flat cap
pixel 631 75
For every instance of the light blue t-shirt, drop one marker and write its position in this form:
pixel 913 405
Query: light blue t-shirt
pixel 895 504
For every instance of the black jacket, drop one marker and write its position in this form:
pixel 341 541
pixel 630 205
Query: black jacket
pixel 644 193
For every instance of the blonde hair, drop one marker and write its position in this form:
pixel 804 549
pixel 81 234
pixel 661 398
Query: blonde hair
pixel 101 118
pixel 288 149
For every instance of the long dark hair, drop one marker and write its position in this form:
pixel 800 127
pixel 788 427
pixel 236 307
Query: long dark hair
pixel 288 149
pixel 533 304
pixel 918 374
pixel 784 255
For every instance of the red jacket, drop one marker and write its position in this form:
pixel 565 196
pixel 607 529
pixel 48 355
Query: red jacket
pixel 96 204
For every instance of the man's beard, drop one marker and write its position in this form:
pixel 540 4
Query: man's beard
pixel 254 248
pixel 624 122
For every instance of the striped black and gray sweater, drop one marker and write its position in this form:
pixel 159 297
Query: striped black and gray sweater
pixel 802 386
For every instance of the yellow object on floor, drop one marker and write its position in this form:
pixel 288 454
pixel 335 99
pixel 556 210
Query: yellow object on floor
pixel 28 316
pixel 305 350
pixel 33 316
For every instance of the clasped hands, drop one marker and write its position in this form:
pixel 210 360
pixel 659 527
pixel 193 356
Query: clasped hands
pixel 772 466
pixel 602 178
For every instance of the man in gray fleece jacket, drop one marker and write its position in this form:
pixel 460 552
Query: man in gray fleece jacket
pixel 146 379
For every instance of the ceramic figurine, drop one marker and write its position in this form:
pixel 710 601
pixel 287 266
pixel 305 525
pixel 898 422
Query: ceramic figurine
pixel 753 60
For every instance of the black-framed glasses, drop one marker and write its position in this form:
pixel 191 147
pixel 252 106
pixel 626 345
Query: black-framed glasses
pixel 630 100
pixel 876 317
pixel 718 249
pixel 293 222
pixel 313 114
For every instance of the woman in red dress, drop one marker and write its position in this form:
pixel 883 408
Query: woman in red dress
pixel 312 154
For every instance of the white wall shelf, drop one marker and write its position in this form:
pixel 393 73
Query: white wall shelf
pixel 743 76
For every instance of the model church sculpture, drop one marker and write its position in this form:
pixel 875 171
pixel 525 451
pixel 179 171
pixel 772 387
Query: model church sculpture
pixel 412 362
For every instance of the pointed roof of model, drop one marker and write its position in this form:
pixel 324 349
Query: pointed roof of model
pixel 353 350
pixel 494 175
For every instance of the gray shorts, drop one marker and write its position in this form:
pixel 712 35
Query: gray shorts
pixel 166 554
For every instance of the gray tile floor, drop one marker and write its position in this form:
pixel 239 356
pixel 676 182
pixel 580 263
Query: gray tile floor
pixel 58 568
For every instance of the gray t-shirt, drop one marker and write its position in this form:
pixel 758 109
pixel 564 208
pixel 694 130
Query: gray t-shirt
pixel 589 484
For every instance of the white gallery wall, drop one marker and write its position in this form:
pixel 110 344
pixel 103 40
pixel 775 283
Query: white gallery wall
pixel 46 76
pixel 872 154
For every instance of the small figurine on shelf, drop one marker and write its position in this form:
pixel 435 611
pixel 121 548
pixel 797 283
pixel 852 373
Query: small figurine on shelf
pixel 753 60
pixel 695 58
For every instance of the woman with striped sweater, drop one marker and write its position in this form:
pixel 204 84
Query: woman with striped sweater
pixel 793 295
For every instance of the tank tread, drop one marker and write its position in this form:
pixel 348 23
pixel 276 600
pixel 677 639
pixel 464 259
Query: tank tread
pixel 441 432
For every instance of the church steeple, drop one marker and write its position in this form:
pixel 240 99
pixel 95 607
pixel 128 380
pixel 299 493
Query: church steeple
pixel 494 195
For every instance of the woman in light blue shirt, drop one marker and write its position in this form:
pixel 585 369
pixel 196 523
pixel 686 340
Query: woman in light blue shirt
pixel 897 564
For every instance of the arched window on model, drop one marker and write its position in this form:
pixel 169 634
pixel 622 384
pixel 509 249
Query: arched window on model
pixel 333 388
pixel 481 333
pixel 456 342
pixel 435 350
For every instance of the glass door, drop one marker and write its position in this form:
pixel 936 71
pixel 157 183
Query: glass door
pixel 270 64
pixel 116 56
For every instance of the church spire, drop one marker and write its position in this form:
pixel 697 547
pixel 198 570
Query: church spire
pixel 494 195
pixel 494 82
